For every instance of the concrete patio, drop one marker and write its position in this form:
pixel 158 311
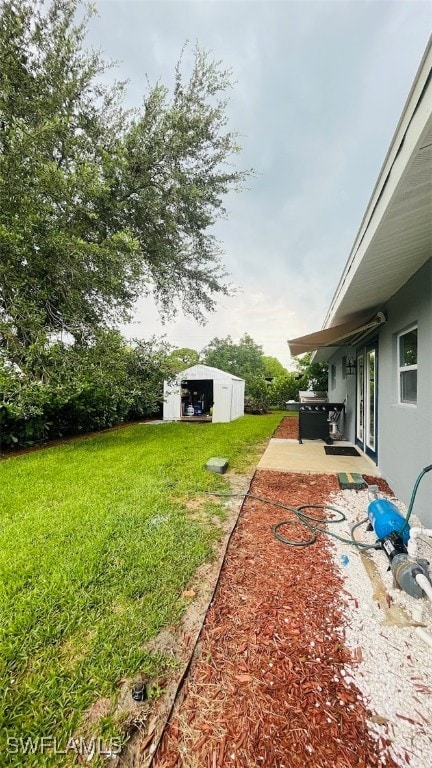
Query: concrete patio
pixel 285 455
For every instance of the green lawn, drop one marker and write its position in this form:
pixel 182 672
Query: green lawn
pixel 96 546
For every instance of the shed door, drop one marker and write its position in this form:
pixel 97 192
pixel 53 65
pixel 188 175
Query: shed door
pixel 222 390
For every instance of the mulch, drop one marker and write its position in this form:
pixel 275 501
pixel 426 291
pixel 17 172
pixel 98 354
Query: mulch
pixel 266 688
pixel 288 428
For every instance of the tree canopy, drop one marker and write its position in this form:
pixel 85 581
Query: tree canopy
pixel 182 357
pixel 273 367
pixel 99 205
pixel 314 375
pixel 244 359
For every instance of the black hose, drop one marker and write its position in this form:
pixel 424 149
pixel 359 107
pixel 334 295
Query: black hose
pixel 304 519
pixel 306 543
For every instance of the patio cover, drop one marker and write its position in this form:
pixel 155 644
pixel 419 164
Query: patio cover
pixel 338 335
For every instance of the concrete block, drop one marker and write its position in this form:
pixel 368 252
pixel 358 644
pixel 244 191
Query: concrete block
pixel 216 464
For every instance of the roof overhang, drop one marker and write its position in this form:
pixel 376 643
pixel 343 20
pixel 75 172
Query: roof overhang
pixel 344 334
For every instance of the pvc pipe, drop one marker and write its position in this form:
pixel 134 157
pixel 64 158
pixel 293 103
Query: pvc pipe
pixel 425 636
pixel 425 584
pixel 412 541
pixel 417 530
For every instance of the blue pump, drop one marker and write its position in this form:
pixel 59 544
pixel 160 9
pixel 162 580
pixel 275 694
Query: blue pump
pixel 393 532
pixel 385 518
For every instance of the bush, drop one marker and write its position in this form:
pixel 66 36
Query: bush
pixel 284 388
pixel 59 391
pixel 257 395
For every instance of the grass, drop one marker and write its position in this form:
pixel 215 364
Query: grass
pixel 96 547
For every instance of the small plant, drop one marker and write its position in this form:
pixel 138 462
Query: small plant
pixel 155 691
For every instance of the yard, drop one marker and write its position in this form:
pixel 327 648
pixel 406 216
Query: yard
pixel 96 547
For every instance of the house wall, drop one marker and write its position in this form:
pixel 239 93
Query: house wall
pixel 344 390
pixel 405 431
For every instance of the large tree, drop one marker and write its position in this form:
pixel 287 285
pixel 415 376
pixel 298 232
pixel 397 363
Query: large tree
pixel 99 205
pixel 244 359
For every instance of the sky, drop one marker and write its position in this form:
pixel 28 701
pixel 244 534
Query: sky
pixel 319 88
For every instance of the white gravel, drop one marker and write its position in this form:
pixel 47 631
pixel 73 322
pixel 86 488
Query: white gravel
pixel 395 674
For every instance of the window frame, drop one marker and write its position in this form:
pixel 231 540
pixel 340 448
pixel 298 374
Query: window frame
pixel 406 368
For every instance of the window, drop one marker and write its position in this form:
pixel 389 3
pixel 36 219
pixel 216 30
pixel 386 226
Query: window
pixel 333 376
pixel 407 366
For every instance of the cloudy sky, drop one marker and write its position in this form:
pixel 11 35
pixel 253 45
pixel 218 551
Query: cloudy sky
pixel 320 86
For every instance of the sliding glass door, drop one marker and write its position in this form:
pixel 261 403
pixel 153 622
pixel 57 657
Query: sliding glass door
pixel 366 421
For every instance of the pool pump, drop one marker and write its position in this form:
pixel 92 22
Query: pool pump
pixel 410 572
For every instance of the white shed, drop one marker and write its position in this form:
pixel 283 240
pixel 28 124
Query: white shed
pixel 204 393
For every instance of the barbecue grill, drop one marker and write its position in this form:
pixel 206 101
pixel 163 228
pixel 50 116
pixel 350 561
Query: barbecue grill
pixel 316 420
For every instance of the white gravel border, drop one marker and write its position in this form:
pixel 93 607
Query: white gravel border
pixel 395 674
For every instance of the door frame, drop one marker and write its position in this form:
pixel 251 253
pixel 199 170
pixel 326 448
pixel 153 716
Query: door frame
pixel 367 396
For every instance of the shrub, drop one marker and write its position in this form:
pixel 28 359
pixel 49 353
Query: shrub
pixel 60 390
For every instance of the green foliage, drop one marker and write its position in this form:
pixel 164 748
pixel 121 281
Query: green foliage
pixel 273 368
pixel 99 205
pixel 63 264
pixel 182 358
pixel 284 388
pixel 314 375
pixel 61 390
pixel 257 395
pixel 244 359
pixel 96 546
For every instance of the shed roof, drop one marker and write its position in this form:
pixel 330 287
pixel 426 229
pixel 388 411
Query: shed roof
pixel 200 371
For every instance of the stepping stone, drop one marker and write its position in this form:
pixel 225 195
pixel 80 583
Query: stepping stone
pixel 351 481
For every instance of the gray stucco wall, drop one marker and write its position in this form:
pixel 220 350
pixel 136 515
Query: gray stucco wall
pixel 405 431
pixel 344 389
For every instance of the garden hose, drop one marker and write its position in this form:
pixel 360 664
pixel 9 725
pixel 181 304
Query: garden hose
pixel 357 525
pixel 413 495
pixel 309 521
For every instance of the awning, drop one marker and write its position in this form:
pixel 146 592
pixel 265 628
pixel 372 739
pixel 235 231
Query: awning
pixel 337 336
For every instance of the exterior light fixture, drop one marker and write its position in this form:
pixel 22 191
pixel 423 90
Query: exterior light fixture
pixel 350 367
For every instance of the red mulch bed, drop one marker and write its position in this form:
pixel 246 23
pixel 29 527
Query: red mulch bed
pixel 266 690
pixel 288 428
